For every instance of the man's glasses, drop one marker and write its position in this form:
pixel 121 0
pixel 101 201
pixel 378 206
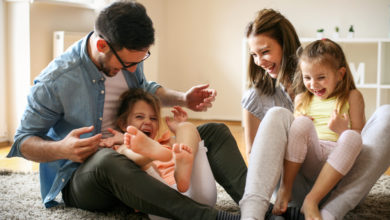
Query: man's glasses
pixel 120 60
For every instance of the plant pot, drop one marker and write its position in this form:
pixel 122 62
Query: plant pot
pixel 336 35
pixel 320 35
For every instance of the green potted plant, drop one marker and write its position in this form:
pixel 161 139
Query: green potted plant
pixel 320 33
pixel 351 32
pixel 336 33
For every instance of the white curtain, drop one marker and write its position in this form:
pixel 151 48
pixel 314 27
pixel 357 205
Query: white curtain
pixel 3 93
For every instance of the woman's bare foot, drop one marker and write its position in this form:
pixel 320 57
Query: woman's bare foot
pixel 310 209
pixel 142 144
pixel 183 169
pixel 282 200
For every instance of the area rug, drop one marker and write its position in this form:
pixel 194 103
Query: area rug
pixel 20 199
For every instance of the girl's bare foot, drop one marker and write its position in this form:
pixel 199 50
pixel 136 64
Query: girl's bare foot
pixel 310 209
pixel 183 169
pixel 137 141
pixel 282 200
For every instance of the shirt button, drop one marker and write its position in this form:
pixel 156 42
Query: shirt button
pixel 94 81
pixel 63 180
pixel 102 92
pixel 100 118
pixel 102 78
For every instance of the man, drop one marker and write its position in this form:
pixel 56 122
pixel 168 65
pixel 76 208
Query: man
pixel 72 104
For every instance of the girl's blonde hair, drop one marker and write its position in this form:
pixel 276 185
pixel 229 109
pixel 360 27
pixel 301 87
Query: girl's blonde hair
pixel 128 100
pixel 276 26
pixel 324 52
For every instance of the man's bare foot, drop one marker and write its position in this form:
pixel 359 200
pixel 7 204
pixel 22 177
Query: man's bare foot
pixel 137 141
pixel 282 200
pixel 311 211
pixel 183 169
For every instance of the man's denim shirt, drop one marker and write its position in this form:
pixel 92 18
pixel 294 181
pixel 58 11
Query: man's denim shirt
pixel 68 94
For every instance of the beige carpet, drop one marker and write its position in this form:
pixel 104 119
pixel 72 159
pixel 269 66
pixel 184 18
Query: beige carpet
pixel 20 199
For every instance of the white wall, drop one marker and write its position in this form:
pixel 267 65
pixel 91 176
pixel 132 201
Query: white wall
pixel 47 18
pixel 155 9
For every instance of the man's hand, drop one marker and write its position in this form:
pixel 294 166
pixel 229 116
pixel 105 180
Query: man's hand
pixel 76 149
pixel 338 123
pixel 200 98
pixel 110 142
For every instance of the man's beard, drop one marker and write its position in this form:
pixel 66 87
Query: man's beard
pixel 105 69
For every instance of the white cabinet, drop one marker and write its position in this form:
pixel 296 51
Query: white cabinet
pixel 369 60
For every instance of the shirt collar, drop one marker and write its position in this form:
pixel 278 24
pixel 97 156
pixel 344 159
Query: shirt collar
pixel 92 69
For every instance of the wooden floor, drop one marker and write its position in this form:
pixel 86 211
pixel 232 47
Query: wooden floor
pixel 20 164
pixel 15 163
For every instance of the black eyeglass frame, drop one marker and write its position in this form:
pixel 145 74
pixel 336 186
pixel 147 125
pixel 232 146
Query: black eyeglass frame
pixel 120 60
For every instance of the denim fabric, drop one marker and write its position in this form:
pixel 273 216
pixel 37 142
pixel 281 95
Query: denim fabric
pixel 68 94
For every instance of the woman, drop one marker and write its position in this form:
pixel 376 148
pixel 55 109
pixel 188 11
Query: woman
pixel 273 41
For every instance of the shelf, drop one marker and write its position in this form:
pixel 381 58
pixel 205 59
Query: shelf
pixel 372 86
pixel 88 4
pixel 350 40
pixel 367 86
pixel 384 86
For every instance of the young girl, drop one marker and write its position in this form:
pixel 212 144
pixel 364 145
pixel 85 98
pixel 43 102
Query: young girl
pixel 179 161
pixel 325 136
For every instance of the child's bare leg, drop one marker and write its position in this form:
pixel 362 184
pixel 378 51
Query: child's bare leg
pixel 183 169
pixel 284 193
pixel 142 144
pixel 187 134
pixel 325 182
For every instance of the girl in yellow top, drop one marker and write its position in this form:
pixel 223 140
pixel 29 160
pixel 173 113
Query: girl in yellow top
pixel 324 139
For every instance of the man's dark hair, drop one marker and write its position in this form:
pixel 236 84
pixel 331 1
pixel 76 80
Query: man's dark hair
pixel 125 24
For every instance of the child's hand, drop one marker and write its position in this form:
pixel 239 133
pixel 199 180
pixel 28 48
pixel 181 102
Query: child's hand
pixel 338 123
pixel 110 142
pixel 179 115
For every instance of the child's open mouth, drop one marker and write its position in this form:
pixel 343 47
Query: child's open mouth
pixel 320 92
pixel 147 133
